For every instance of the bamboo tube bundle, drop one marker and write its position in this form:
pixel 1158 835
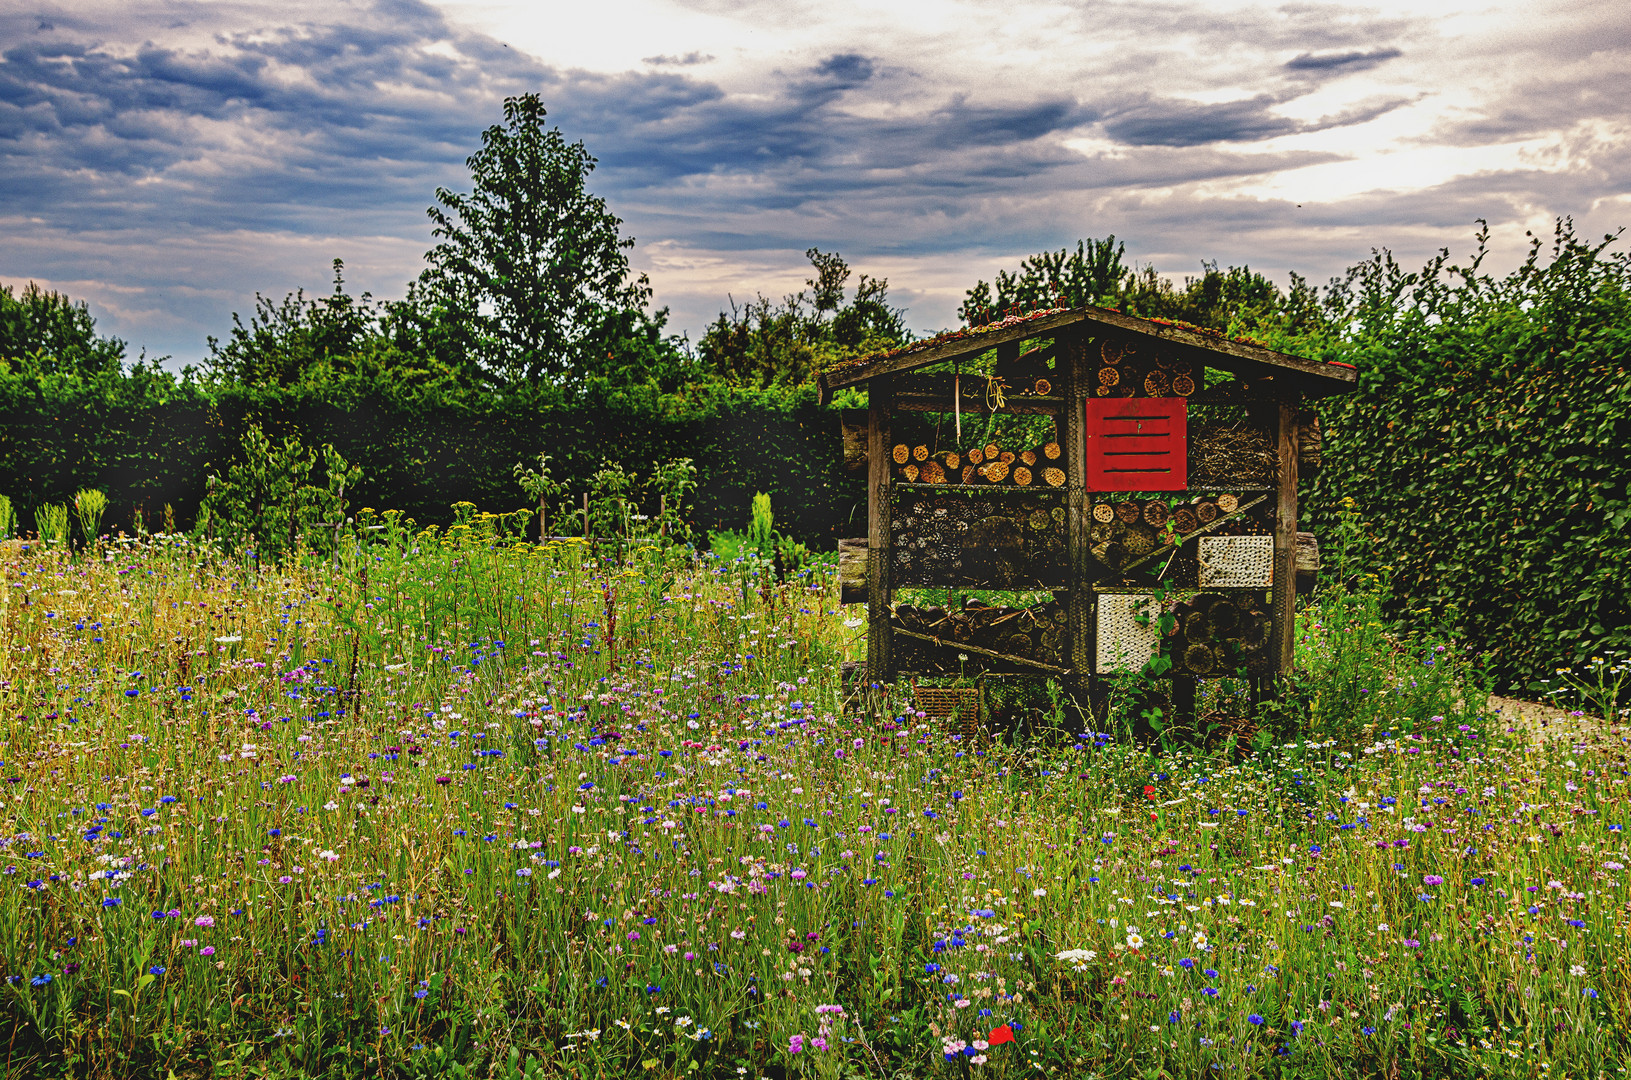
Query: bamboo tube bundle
pixel 1043 387
pixel 1155 513
pixel 932 472
pixel 992 451
pixel 951 461
pixel 1053 477
pixel 920 453
pixel 1206 511
pixel 996 471
pixel 976 456
pixel 1182 386
pixel 901 453
pixel 1157 383
pixel 971 473
pixel 1185 521
pixel 1021 476
pixel 1052 451
pixel 1129 512
pixel 910 472
pixel 1028 458
pixel 1104 512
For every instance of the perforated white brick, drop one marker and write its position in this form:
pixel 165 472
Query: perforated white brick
pixel 1236 562
pixel 1124 644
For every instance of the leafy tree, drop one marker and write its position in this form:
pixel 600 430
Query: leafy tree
pixel 270 498
pixel 765 343
pixel 1236 300
pixel 47 333
pixel 1090 275
pixel 315 341
pixel 531 267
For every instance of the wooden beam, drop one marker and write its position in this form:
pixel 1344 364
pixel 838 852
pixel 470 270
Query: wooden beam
pixel 1076 371
pixel 1283 640
pixel 1024 406
pixel 970 343
pixel 879 655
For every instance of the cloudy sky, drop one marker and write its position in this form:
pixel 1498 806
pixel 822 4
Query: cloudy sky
pixel 166 160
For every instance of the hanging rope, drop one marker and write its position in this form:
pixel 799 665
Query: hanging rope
pixel 994 387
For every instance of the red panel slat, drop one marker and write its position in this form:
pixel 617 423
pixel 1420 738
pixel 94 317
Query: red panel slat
pixel 1137 444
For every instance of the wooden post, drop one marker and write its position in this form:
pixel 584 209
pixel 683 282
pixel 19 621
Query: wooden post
pixel 1072 367
pixel 1283 641
pixel 879 654
pixel 586 515
pixel 662 515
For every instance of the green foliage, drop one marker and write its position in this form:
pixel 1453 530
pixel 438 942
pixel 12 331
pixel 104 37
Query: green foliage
pixel 543 489
pixel 89 506
pixel 761 530
pixel 51 523
pixel 531 268
pixel 1235 300
pixel 269 500
pixel 8 518
pixel 48 334
pixel 1487 444
pixel 765 343
pixel 1091 275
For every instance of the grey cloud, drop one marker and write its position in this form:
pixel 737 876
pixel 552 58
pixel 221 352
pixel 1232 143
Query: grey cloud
pixel 1341 61
pixel 145 168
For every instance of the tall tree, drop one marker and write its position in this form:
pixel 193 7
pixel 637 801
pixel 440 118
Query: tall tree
pixel 529 261
pixel 47 332
pixel 766 343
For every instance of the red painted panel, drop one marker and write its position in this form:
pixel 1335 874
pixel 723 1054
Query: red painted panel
pixel 1137 444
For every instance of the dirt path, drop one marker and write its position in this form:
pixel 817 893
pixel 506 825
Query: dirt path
pixel 1546 723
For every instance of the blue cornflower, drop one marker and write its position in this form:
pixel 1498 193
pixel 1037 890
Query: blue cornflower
pixel 1254 1020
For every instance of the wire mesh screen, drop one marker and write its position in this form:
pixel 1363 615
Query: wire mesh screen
pixel 1008 540
pixel 957 708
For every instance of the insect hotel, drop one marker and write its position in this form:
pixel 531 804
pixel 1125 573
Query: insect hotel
pixel 1123 468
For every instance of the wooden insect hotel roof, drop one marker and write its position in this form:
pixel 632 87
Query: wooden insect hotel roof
pixel 1151 489
pixel 1314 378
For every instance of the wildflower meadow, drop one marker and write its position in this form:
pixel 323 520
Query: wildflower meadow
pixel 443 803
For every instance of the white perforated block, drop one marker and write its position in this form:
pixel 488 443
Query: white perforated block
pixel 1236 562
pixel 1124 644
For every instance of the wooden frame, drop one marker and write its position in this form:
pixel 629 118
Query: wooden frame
pixel 1278 380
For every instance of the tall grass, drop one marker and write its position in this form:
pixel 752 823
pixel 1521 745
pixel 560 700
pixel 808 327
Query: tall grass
pixel 448 803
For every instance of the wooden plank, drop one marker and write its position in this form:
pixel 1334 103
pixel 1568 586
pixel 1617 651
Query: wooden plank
pixel 852 570
pixel 1283 640
pixel 971 343
pixel 879 656
pixel 1075 370
pixel 1029 405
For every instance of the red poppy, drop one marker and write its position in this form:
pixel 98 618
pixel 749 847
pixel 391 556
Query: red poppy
pixel 1149 792
pixel 1002 1035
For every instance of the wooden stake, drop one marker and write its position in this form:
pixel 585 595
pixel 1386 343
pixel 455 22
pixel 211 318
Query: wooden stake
pixel 879 653
pixel 1284 635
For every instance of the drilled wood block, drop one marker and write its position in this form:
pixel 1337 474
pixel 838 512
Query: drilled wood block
pixel 1236 562
pixel 1124 643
